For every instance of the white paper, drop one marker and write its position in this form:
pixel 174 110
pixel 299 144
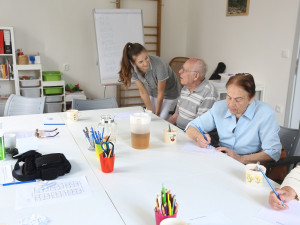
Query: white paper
pixel 192 147
pixel 213 218
pixel 289 216
pixel 5 174
pixel 44 192
pixel 25 144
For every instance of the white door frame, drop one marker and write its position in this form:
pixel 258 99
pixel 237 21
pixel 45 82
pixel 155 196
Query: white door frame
pixel 292 114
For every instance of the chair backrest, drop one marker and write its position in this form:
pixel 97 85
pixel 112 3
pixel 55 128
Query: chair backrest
pixel 104 103
pixel 290 139
pixel 176 64
pixel 19 105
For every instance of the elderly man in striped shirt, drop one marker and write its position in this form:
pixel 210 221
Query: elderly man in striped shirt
pixel 197 95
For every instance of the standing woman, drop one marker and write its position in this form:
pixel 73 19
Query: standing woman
pixel 157 83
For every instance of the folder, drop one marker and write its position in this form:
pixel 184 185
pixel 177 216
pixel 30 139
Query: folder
pixel 1 42
pixel 7 42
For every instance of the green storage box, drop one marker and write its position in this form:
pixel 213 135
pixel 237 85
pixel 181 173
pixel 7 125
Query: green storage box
pixel 51 75
pixel 53 90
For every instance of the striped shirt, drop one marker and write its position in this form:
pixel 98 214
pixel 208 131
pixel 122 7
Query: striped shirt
pixel 193 104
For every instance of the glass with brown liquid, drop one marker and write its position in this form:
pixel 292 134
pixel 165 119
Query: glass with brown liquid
pixel 140 130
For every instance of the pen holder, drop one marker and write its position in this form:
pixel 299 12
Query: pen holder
pixel 98 149
pixel 159 217
pixel 107 164
pixel 253 176
pixel 23 60
pixel 170 137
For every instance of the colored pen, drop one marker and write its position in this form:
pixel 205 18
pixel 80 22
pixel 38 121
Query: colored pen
pixel 157 204
pixel 203 135
pixel 163 195
pixel 270 185
pixel 22 182
pixel 174 201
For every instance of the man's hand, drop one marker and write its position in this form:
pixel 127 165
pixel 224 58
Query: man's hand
pixel 286 194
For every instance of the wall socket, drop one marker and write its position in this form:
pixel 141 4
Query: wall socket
pixel 278 108
pixel 66 66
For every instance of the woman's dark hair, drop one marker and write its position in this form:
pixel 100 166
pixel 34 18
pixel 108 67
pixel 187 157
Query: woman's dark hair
pixel 245 81
pixel 125 73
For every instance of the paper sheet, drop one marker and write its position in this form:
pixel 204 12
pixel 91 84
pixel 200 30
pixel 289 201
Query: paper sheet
pixel 5 174
pixel 44 192
pixel 25 144
pixel 289 216
pixel 192 147
pixel 213 218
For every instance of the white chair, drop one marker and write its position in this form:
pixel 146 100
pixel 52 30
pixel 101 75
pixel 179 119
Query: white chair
pixel 19 105
pixel 104 103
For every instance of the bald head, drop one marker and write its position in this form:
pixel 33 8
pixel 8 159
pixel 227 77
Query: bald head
pixel 192 73
pixel 197 65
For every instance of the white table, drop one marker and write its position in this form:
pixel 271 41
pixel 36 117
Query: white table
pixel 95 209
pixel 201 182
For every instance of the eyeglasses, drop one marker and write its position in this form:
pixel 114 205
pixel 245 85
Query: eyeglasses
pixel 184 70
pixel 43 133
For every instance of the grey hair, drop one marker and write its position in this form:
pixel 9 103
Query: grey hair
pixel 201 67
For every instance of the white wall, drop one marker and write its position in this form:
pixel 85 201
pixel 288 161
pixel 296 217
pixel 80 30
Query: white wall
pixel 250 43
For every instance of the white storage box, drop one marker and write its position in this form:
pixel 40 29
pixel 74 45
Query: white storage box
pixel 55 98
pixel 30 83
pixel 31 92
pixel 53 107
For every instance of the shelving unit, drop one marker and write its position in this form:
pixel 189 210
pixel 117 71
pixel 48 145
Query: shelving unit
pixel 55 102
pixel 29 88
pixel 8 86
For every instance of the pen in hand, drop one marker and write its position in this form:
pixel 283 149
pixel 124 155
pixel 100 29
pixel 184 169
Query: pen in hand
pixel 273 189
pixel 204 136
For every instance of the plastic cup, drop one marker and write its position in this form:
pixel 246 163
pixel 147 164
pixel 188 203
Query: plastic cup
pixel 107 164
pixel 140 130
pixel 10 140
pixel 159 217
pixel 170 137
pixel 253 176
pixel 98 149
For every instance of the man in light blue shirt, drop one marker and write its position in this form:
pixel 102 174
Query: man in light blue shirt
pixel 245 125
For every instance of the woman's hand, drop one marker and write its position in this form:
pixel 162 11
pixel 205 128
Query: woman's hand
pixel 202 143
pixel 230 153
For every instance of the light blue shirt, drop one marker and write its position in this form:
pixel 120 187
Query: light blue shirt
pixel 256 129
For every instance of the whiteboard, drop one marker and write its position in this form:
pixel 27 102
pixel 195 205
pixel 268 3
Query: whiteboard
pixel 114 28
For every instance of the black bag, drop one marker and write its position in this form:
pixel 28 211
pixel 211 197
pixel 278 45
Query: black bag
pixel 38 166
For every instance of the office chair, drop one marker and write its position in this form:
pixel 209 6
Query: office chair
pixel 19 105
pixel 176 64
pixel 104 103
pixel 290 139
